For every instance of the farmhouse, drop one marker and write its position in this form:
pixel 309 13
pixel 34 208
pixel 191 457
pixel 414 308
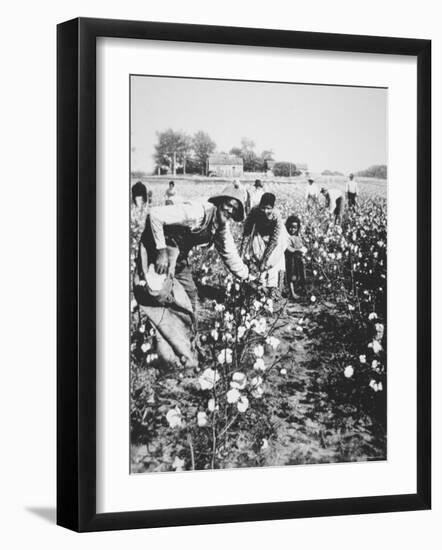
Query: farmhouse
pixel 225 165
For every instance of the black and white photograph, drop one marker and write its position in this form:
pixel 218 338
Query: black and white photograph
pixel 258 263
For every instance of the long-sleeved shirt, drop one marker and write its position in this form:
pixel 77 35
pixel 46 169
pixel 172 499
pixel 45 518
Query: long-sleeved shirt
pixel 194 215
pixel 295 244
pixel 351 186
pixel 257 222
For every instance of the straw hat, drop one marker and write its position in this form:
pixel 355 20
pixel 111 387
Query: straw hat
pixel 231 192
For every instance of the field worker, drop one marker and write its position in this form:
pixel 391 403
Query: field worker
pixel 311 193
pixel 169 235
pixel 294 257
pixel 170 194
pixel 334 202
pixel 141 199
pixel 139 194
pixel 351 189
pixel 254 195
pixel 264 241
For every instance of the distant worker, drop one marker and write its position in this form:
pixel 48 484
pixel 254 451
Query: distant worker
pixel 351 189
pixel 311 193
pixel 334 202
pixel 171 195
pixel 254 195
pixel 139 194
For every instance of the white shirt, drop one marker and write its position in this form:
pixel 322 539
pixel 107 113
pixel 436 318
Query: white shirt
pixel 255 194
pixel 312 191
pixel 351 186
pixel 192 214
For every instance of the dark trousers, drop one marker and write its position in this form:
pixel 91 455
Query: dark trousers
pixel 295 268
pixel 351 198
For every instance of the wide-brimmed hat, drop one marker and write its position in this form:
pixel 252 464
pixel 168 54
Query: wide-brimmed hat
pixel 231 192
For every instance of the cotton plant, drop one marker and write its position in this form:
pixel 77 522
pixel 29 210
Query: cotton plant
pixel 240 350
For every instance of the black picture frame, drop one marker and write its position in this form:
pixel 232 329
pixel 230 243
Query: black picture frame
pixel 76 273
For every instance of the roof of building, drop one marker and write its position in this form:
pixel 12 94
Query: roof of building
pixel 226 159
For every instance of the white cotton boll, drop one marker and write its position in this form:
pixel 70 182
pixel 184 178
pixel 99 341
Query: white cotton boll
pixel 208 379
pixel 348 371
pixel 259 365
pixel 225 356
pixel 174 418
pixel 376 346
pixel 273 342
pixel 202 419
pixel 243 404
pixel 178 464
pixel 233 395
pixel 239 381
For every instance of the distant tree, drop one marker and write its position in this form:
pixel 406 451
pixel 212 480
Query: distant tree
pixel 285 169
pixel 192 166
pixel 202 146
pixel 331 173
pixel 236 152
pixel 252 163
pixel 267 154
pixel 248 154
pixel 375 171
pixel 172 149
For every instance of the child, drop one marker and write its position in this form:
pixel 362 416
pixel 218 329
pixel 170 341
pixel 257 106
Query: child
pixel 294 257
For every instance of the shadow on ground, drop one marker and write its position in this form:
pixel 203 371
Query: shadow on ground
pixel 46 513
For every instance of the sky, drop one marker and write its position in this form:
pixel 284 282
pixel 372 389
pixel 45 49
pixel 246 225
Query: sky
pixel 327 127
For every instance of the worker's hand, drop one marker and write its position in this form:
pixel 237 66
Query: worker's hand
pixel 162 262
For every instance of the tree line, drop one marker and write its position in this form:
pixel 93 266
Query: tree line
pixel 376 171
pixel 178 152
